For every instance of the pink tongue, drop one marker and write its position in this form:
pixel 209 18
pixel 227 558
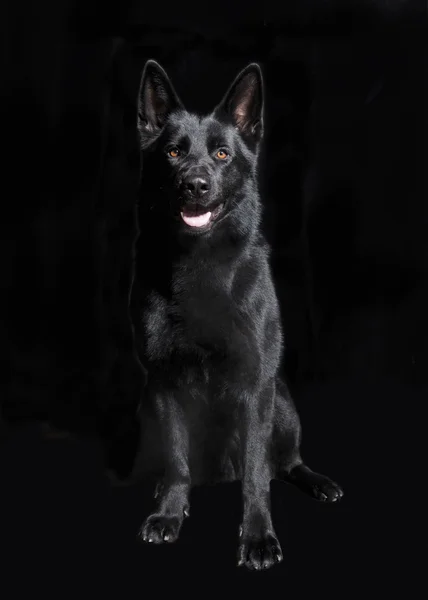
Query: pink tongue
pixel 197 221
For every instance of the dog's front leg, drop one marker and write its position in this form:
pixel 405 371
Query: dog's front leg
pixel 173 499
pixel 259 547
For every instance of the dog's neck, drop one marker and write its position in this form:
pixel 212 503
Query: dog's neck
pixel 162 249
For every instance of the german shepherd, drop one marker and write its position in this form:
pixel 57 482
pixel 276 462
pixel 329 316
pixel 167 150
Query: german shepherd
pixel 207 317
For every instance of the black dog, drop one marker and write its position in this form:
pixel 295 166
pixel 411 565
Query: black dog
pixel 207 316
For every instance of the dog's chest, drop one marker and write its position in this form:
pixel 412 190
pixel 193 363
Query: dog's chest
pixel 197 319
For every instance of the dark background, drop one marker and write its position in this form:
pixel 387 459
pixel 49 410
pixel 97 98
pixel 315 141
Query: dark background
pixel 346 212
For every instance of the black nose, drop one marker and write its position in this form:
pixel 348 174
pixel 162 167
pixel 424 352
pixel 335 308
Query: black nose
pixel 196 186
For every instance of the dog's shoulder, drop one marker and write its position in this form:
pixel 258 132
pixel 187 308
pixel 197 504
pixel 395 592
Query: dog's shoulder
pixel 253 271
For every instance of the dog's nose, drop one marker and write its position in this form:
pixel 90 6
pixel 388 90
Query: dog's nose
pixel 196 186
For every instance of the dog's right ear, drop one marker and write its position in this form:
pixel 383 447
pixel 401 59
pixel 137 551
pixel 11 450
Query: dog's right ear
pixel 157 99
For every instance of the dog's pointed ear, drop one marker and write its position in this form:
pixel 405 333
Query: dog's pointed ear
pixel 243 102
pixel 157 99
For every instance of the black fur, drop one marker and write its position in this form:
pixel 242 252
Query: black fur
pixel 207 317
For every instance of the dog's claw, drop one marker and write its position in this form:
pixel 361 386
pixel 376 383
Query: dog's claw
pixel 158 490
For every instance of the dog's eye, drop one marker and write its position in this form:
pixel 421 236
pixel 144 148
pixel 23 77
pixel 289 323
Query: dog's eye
pixel 174 152
pixel 221 154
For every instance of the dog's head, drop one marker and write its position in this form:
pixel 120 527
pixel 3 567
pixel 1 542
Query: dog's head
pixel 199 168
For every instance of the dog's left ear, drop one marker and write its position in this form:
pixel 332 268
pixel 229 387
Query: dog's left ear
pixel 243 102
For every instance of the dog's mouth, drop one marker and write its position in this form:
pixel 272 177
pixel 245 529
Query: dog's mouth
pixel 193 218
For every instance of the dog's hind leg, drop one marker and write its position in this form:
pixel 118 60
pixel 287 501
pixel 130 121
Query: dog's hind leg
pixel 287 463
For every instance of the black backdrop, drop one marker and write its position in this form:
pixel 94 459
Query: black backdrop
pixel 346 212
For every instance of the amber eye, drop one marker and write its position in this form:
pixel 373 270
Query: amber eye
pixel 174 152
pixel 221 154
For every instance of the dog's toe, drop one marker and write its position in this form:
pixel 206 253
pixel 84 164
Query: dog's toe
pixel 158 529
pixel 259 553
pixel 318 486
pixel 328 491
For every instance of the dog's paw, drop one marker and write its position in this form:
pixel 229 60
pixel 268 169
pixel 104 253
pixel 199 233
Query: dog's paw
pixel 326 490
pixel 160 529
pixel 318 486
pixel 259 552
